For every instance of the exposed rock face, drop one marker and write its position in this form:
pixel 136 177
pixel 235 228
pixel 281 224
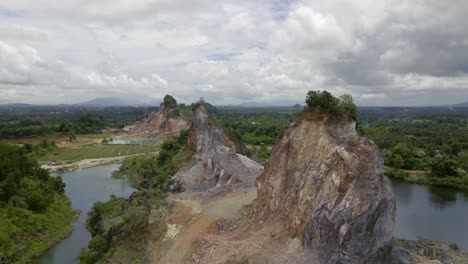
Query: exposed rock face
pixel 166 122
pixel 326 183
pixel 218 163
pixel 132 230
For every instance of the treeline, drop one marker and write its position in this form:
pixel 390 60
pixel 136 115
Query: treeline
pixel 259 131
pixel 46 120
pixel 431 140
pixel 155 171
pixel 34 212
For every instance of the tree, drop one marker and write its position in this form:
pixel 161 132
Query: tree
pixel 170 101
pixel 72 137
pixel 326 103
pixel 347 106
pixel 297 107
pixel 398 161
pixel 444 166
pixel 23 183
pixel 452 148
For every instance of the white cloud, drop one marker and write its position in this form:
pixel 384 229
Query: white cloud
pixel 23 69
pixel 230 51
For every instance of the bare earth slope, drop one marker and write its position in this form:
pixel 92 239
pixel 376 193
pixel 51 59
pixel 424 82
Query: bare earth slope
pixel 166 122
pixel 218 183
pixel 322 198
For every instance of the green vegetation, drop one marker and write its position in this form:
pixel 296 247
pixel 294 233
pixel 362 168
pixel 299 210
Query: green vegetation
pixel 454 246
pixel 97 247
pixel 34 212
pixel 118 217
pixel 396 173
pixel 170 101
pixel 37 150
pixel 97 151
pixel 430 140
pixel 153 170
pixel 433 141
pixel 27 120
pixel 325 102
pixel 259 129
pixel 122 222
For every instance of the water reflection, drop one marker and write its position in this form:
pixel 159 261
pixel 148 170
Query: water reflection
pixel 430 212
pixel 442 197
pixel 84 188
pixel 401 189
pixel 131 141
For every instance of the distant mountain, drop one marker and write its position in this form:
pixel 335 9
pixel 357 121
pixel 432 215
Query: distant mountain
pixel 465 104
pixel 254 104
pixel 115 101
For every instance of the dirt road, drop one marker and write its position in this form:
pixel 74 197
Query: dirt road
pixel 88 163
pixel 192 220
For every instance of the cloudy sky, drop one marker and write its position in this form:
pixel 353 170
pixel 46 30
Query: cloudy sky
pixel 386 52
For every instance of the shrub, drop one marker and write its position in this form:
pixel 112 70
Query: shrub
pixel 454 246
pixel 97 247
pixel 396 173
pixel 170 101
pixel 325 102
pixel 444 166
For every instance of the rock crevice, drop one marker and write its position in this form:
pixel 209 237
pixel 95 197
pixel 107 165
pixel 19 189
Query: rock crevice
pixel 327 185
pixel 218 162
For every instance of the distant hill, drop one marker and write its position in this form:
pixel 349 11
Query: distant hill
pixel 465 104
pixel 115 101
pixel 254 104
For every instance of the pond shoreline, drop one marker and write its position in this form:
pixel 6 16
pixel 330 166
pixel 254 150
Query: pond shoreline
pixel 423 177
pixel 84 188
pixel 90 163
pixel 445 207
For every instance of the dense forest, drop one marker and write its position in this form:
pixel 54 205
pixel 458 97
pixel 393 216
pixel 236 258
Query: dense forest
pixel 34 212
pixel 430 140
pixel 26 120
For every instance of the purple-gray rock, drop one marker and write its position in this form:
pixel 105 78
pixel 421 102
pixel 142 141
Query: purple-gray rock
pixel 327 185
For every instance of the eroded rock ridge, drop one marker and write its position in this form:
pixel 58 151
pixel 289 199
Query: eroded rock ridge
pixel 327 185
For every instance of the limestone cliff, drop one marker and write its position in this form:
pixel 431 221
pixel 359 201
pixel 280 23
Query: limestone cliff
pixel 166 122
pixel 326 184
pixel 217 160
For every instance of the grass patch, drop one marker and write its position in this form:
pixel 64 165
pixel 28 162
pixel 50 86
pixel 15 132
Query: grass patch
pixel 460 183
pixel 94 136
pixel 98 151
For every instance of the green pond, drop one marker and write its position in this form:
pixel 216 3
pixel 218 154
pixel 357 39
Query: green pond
pixel 431 212
pixel 84 188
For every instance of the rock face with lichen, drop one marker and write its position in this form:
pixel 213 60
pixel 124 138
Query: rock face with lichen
pixel 218 162
pixel 166 122
pixel 327 185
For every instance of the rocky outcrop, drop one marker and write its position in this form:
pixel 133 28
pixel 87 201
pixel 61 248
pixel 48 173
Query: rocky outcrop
pixel 166 122
pixel 217 160
pixel 401 251
pixel 128 234
pixel 326 183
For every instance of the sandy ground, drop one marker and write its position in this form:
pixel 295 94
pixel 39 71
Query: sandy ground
pixel 88 163
pixel 194 218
